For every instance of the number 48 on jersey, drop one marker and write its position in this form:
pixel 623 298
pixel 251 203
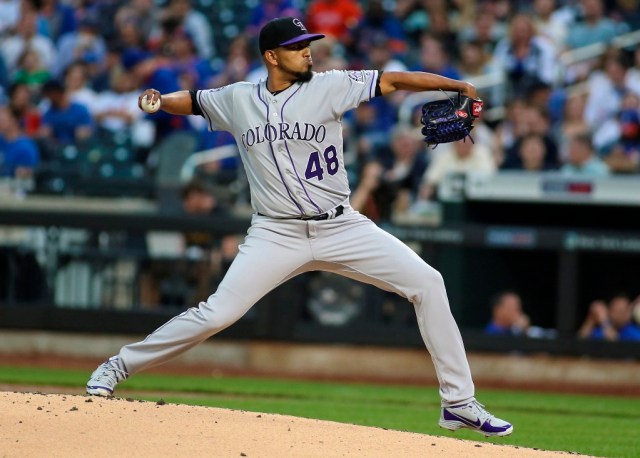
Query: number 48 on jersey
pixel 314 165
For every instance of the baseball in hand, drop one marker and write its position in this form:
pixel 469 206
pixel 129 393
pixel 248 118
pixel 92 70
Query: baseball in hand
pixel 150 107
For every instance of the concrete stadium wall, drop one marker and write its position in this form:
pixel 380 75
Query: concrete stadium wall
pixel 339 361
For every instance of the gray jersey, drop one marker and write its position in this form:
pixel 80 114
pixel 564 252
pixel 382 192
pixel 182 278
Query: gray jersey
pixel 291 143
pixel 291 146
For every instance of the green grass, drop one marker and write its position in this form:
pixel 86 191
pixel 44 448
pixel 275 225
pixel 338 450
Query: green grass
pixel 595 425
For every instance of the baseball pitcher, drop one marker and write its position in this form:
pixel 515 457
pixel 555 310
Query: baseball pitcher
pixel 288 128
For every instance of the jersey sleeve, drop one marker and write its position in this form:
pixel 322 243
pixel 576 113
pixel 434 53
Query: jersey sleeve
pixel 349 88
pixel 217 106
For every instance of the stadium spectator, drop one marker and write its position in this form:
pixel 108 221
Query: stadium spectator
pixel 30 70
pixel 549 25
pixel 434 58
pixel 239 63
pixel 266 10
pixel 129 30
pixel 463 13
pixel 531 155
pixel 65 121
pixel 194 22
pixel 607 90
pixel 435 17
pixel 204 258
pixel 612 322
pixel 193 71
pixel 371 123
pixel 633 74
pixel 593 26
pixel 441 29
pixel 376 23
pixel 84 44
pixel 414 17
pixel 101 12
pixel 139 14
pixel 380 55
pixel 389 184
pixel 627 11
pixel 531 120
pixel 220 173
pixel 56 18
pixel 100 78
pixel 22 106
pixel 463 157
pixel 326 56
pixel 486 31
pixel 502 9
pixel 636 310
pixel 26 37
pixel 581 160
pixel 571 123
pixel 116 110
pixel 526 58
pixel 507 317
pixel 4 78
pixel 620 137
pixel 77 86
pixel 9 16
pixel 162 36
pixel 474 60
pixel 334 18
pixel 19 154
pixel 621 161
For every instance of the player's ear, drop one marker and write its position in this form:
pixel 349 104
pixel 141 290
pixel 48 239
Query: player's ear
pixel 271 57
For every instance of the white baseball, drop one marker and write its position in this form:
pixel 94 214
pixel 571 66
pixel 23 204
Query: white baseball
pixel 150 107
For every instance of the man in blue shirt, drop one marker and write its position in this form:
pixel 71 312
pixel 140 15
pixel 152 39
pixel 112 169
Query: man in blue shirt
pixel 582 161
pixel 507 318
pixel 594 27
pixel 65 121
pixel 612 323
pixel 19 154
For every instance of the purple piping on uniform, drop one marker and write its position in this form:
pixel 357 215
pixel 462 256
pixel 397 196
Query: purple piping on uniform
pixel 289 153
pixel 210 122
pixel 172 319
pixel 275 161
pixel 204 111
pixel 371 86
pixel 124 366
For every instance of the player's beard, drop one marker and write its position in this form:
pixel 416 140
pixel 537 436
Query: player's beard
pixel 303 77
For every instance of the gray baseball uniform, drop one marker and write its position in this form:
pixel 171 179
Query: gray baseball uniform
pixel 291 147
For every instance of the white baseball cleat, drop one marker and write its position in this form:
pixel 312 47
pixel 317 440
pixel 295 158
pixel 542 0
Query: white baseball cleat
pixel 105 378
pixel 473 416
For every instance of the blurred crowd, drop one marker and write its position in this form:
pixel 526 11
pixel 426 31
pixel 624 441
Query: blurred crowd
pixel 71 73
pixel 615 319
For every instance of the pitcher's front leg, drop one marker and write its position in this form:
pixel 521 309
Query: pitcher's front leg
pixel 270 253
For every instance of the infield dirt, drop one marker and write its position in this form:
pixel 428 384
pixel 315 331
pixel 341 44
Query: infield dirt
pixel 63 425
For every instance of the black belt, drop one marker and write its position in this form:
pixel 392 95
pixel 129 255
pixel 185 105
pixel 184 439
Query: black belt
pixel 339 210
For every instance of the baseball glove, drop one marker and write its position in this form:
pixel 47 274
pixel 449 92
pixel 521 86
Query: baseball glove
pixel 446 121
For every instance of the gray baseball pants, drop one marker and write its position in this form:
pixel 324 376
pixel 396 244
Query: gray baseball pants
pixel 276 250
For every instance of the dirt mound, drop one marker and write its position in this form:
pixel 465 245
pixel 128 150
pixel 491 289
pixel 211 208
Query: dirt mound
pixel 55 425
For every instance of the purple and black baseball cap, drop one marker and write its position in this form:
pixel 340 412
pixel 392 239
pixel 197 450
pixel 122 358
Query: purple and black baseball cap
pixel 283 32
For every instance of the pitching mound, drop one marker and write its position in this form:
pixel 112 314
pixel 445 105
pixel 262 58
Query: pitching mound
pixel 54 425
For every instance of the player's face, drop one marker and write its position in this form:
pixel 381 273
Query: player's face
pixel 295 60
